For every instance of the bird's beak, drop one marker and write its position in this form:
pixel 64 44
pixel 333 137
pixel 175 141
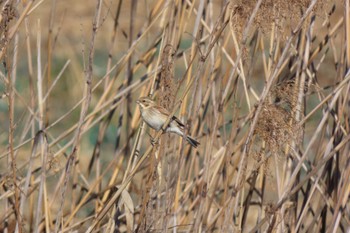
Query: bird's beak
pixel 138 101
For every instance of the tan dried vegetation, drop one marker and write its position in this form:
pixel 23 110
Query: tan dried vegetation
pixel 263 85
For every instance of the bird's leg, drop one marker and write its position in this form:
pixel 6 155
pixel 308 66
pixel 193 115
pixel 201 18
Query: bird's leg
pixel 153 141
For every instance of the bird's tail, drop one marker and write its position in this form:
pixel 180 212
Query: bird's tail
pixel 192 141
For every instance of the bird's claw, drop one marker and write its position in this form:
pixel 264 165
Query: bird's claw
pixel 154 142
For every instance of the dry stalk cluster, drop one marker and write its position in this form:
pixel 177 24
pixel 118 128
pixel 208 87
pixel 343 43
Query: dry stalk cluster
pixel 8 13
pixel 283 15
pixel 277 126
pixel 167 93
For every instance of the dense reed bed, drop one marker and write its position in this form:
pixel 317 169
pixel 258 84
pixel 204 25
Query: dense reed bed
pixel 262 85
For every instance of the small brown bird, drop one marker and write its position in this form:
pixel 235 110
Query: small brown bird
pixel 155 116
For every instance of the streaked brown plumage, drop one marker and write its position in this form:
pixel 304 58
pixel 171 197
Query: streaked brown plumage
pixel 155 116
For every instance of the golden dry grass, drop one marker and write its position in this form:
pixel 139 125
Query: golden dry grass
pixel 263 85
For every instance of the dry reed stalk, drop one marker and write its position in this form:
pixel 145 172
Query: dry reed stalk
pixel 281 168
pixel 104 126
pixel 11 80
pixel 49 55
pixel 84 109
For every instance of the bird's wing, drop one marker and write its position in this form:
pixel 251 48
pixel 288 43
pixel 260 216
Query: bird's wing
pixel 166 113
pixel 178 121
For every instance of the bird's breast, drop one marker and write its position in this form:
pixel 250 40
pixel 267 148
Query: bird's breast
pixel 152 120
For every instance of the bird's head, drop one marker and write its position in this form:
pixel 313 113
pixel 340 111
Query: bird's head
pixel 145 102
